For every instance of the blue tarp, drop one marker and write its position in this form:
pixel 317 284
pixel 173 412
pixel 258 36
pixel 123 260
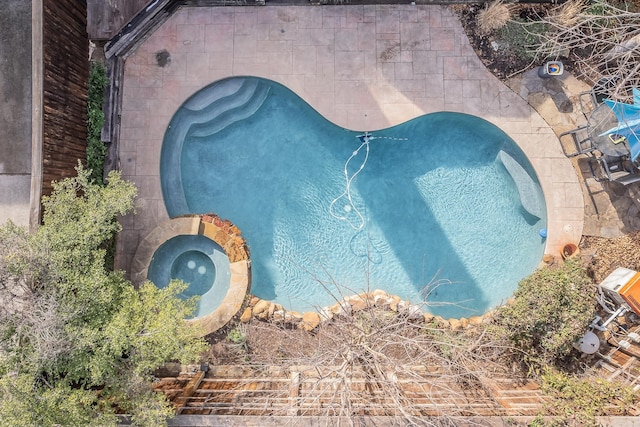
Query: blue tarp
pixel 628 116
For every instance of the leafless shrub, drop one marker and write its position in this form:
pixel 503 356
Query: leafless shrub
pixel 377 362
pixel 29 312
pixel 568 14
pixel 603 41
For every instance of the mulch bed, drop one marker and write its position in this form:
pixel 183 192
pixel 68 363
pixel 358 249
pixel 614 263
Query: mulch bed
pixel 602 255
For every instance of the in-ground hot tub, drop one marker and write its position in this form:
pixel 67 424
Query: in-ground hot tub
pixel 198 261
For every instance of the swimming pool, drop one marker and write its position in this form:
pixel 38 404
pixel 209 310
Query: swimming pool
pixel 444 206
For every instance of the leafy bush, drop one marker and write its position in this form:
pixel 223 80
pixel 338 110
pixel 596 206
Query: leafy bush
pixel 551 310
pixel 577 401
pixel 521 37
pixel 69 327
pixel 96 150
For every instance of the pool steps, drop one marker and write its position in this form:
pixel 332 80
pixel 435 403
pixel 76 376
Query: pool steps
pixel 530 196
pixel 207 112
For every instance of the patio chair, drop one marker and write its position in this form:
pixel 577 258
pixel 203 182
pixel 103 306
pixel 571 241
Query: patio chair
pixel 616 169
pixel 590 99
pixel 580 140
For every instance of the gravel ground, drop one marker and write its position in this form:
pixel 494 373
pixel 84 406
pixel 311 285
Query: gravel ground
pixel 602 255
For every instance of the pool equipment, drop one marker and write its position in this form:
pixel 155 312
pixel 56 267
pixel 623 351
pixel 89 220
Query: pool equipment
pixel 550 69
pixel 619 293
pixel 622 286
pixel 589 343
pixel 350 206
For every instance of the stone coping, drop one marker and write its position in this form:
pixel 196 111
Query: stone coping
pixel 269 311
pixel 225 234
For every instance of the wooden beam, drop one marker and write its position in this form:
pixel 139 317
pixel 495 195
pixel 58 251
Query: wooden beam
pixel 36 114
pixel 189 390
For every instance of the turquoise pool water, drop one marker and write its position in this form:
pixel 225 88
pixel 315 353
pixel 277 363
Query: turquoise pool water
pixel 444 208
pixel 198 261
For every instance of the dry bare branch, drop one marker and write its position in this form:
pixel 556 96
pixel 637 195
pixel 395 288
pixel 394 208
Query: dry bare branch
pixel 377 362
pixel 603 41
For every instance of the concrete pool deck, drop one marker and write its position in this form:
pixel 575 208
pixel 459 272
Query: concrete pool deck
pixel 362 67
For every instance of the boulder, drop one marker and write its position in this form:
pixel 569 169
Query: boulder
pixel 278 316
pixel 475 320
pixel 326 314
pixel 455 324
pixel 413 312
pixel 341 308
pixel 381 300
pixel 310 321
pixel 260 307
pixel 246 315
pixel 273 308
pixel 428 317
pixel 358 304
pixel 264 315
pixel 292 316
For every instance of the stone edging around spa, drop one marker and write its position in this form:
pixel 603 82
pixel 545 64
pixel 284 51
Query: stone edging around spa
pixel 225 234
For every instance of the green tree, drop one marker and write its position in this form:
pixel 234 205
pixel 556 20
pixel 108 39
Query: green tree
pixel 551 310
pixel 77 342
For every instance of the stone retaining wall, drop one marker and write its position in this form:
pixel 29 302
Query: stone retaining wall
pixel 227 235
pixel 268 311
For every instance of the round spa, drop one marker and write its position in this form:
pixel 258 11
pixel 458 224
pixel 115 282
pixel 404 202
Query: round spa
pixel 198 261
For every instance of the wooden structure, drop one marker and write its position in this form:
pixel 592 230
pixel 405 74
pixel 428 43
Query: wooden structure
pixel 619 360
pixel 106 18
pixel 65 77
pixel 44 81
pixel 313 391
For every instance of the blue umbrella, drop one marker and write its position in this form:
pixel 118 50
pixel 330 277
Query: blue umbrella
pixel 628 116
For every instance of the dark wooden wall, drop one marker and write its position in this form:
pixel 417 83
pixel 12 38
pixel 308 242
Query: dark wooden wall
pixel 105 18
pixel 66 74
